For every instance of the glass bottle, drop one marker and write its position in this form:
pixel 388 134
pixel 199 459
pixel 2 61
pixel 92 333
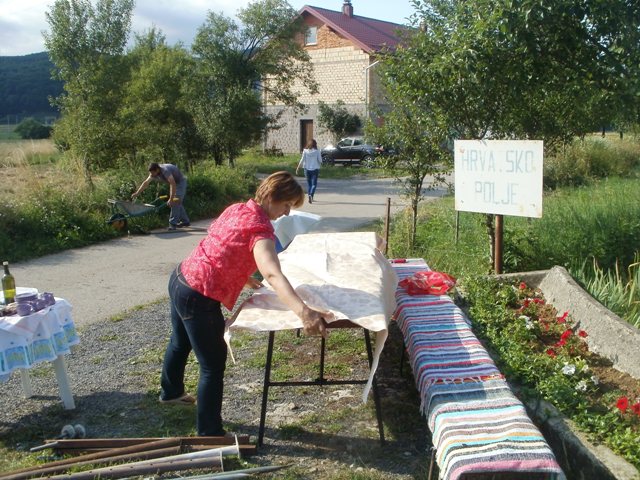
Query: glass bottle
pixel 8 285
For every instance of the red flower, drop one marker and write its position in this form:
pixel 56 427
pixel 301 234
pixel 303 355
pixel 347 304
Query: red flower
pixel 561 343
pixel 635 408
pixel 551 352
pixel 526 302
pixel 563 318
pixel 622 404
pixel 538 301
pixel 582 334
pixel 522 285
pixel 567 333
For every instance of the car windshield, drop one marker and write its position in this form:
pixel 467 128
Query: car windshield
pixel 345 142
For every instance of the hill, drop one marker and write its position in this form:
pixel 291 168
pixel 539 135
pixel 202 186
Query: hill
pixel 26 85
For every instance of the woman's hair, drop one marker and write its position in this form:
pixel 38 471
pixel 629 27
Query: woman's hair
pixel 312 145
pixel 280 187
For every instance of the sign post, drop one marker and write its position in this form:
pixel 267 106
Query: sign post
pixel 500 177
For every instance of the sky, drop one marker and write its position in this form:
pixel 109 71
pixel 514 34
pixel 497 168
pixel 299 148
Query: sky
pixel 23 21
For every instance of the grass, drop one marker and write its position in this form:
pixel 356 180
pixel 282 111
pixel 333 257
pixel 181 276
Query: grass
pixel 253 159
pixel 46 204
pixel 7 132
pixel 620 292
pixel 601 215
pixel 598 221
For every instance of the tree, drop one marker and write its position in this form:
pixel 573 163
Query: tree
pixel 32 129
pixel 419 150
pixel 157 124
pixel 238 65
pixel 531 69
pixel 338 120
pixel 538 69
pixel 86 45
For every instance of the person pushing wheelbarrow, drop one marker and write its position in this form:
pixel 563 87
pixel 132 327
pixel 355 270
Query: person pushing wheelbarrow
pixel 169 173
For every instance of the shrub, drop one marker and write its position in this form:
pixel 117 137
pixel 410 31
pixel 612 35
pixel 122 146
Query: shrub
pixel 32 129
pixel 598 221
pixel 47 217
pixel 589 159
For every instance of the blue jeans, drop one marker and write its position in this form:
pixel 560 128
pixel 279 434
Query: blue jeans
pixel 198 324
pixel 178 213
pixel 312 181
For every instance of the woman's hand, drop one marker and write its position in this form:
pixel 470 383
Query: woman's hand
pixel 315 321
pixel 253 283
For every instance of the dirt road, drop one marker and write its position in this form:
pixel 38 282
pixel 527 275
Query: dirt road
pixel 107 279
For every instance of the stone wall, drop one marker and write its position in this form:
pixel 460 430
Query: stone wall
pixel 287 138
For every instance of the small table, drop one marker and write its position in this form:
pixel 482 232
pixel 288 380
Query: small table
pixel 320 381
pixel 43 336
pixel 343 273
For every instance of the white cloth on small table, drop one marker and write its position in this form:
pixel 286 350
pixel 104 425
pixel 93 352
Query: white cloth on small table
pixel 43 336
pixel 343 273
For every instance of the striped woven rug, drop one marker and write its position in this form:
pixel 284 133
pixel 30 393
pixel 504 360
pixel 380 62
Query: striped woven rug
pixel 478 426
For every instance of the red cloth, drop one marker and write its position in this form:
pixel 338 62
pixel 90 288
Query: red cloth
pixel 222 262
pixel 428 283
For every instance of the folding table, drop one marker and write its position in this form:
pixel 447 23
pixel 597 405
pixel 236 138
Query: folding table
pixel 344 273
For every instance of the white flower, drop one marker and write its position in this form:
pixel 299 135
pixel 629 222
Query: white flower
pixel 595 380
pixel 528 324
pixel 581 386
pixel 585 369
pixel 568 369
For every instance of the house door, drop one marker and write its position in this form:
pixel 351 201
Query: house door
pixel 306 133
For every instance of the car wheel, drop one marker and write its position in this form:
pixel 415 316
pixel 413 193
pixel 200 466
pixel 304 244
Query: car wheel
pixel 368 161
pixel 327 160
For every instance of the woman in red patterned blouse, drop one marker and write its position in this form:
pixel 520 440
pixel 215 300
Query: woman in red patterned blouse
pixel 239 242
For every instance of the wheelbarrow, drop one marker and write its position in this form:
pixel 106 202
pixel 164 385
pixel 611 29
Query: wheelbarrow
pixel 123 210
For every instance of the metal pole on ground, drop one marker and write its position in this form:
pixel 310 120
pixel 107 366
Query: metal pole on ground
pixel 498 244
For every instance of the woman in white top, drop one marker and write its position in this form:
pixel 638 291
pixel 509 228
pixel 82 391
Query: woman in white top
pixel 311 161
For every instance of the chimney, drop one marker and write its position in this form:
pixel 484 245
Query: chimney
pixel 347 8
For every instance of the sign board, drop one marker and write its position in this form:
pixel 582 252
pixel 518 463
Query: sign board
pixel 502 177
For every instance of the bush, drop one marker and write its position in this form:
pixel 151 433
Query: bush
pixel 32 129
pixel 586 160
pixel 46 218
pixel 598 222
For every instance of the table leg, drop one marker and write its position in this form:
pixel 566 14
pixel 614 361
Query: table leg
pixel 26 383
pixel 63 383
pixel 265 388
pixel 322 347
pixel 374 387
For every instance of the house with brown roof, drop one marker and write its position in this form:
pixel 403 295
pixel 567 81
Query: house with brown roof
pixel 342 47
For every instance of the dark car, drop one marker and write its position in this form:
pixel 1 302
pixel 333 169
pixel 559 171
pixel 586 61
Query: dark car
pixel 349 150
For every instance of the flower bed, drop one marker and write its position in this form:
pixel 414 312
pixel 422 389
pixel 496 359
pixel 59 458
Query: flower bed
pixel 545 353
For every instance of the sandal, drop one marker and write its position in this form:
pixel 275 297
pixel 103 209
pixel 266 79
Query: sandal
pixel 184 399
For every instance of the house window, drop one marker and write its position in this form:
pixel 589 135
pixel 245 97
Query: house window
pixel 311 37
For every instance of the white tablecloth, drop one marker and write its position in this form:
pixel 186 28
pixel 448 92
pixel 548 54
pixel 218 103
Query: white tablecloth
pixel 344 273
pixel 40 337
